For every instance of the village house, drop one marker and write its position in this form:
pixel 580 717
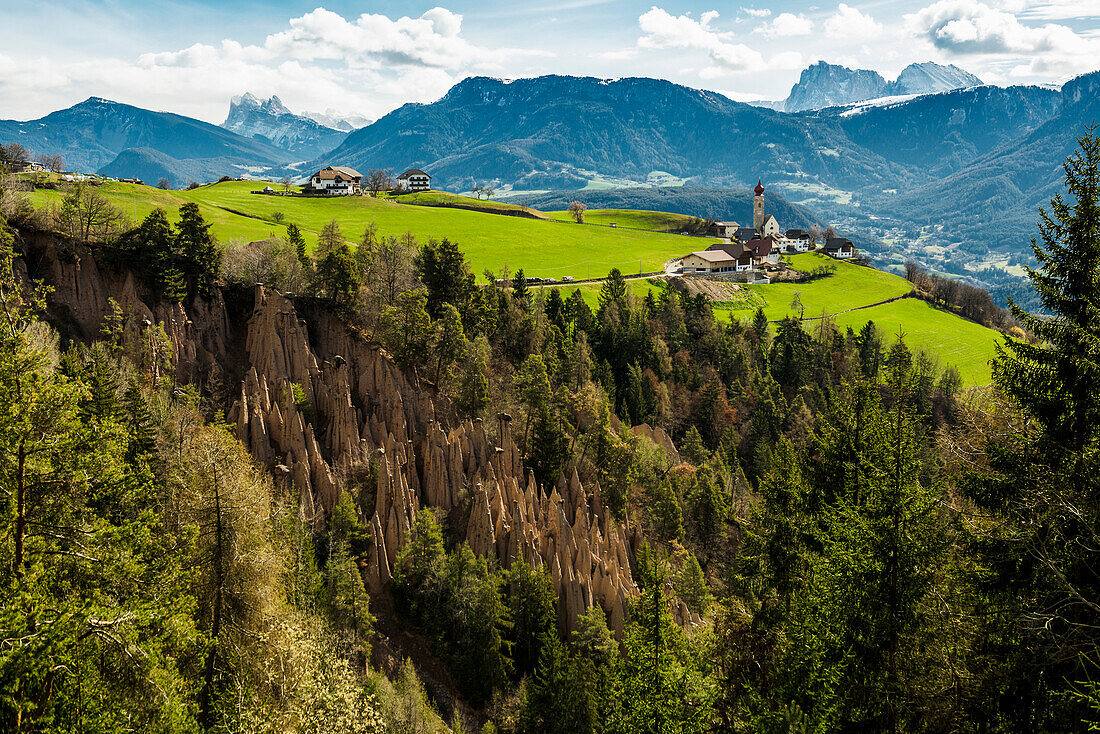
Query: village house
pixel 798 240
pixel 27 167
pixel 840 248
pixel 414 180
pixel 764 252
pixel 744 234
pixel 716 261
pixel 336 181
pixel 724 229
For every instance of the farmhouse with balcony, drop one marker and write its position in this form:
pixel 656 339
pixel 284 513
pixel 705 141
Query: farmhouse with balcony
pixel 798 240
pixel 840 248
pixel 336 181
pixel 414 180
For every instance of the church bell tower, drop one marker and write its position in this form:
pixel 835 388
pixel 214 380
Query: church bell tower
pixel 758 207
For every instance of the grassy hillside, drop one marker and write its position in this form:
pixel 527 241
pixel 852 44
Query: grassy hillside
pixel 554 249
pixel 954 340
pixel 458 201
pixel 637 219
pixel 950 339
pixel 851 286
pixel 541 248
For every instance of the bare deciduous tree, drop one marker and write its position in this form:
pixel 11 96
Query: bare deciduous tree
pixel 286 183
pixel 576 210
pixel 13 153
pixel 815 233
pixel 378 179
pixel 830 233
pixel 52 162
pixel 88 217
pixel 164 184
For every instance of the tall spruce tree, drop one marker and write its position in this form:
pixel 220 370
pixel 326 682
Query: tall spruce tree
pixel 200 260
pixel 1044 474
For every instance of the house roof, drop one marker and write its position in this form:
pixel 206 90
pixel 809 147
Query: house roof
pixel 772 218
pixel 734 249
pixel 745 233
pixel 412 172
pixel 838 243
pixel 334 173
pixel 726 224
pixel 760 247
pixel 714 256
pixel 796 234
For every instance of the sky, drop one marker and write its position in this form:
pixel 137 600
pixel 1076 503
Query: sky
pixel 367 58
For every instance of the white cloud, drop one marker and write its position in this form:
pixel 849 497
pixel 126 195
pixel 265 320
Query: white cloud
pixel 1060 10
pixel 849 22
pixel 663 30
pixel 367 65
pixel 757 12
pixel 622 54
pixel 786 25
pixel 963 27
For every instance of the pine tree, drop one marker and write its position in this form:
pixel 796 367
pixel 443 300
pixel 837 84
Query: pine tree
pixel 139 423
pixel 473 390
pixel 295 239
pixel 549 446
pixel 1044 474
pixel 200 260
pixel 520 291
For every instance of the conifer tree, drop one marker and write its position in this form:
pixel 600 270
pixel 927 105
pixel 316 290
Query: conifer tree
pixel 1044 476
pixel 295 239
pixel 200 260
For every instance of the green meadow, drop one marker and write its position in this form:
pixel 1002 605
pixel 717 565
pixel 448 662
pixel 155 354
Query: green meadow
pixel 546 248
pixel 636 219
pixel 542 248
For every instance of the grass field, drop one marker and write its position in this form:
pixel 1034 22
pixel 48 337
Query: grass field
pixel 445 198
pixel 850 286
pixel 654 221
pixel 963 344
pixel 541 248
pixel 554 249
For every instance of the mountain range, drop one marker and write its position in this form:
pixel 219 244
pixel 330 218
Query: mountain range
pixel 91 136
pixel 949 176
pixel 828 85
pixel 271 122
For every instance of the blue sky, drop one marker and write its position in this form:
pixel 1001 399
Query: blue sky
pixel 366 58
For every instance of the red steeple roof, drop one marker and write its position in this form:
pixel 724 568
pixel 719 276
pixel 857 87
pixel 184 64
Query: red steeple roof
pixel 759 188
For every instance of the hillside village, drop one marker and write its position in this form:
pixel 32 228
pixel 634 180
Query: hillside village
pixel 751 254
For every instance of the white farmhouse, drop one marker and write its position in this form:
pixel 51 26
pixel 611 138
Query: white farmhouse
pixel 716 261
pixel 414 180
pixel 336 181
pixel 840 248
pixel 798 240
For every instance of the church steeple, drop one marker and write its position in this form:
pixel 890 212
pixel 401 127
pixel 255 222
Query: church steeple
pixel 758 207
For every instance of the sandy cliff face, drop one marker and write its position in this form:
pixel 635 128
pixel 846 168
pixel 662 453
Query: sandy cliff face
pixel 317 403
